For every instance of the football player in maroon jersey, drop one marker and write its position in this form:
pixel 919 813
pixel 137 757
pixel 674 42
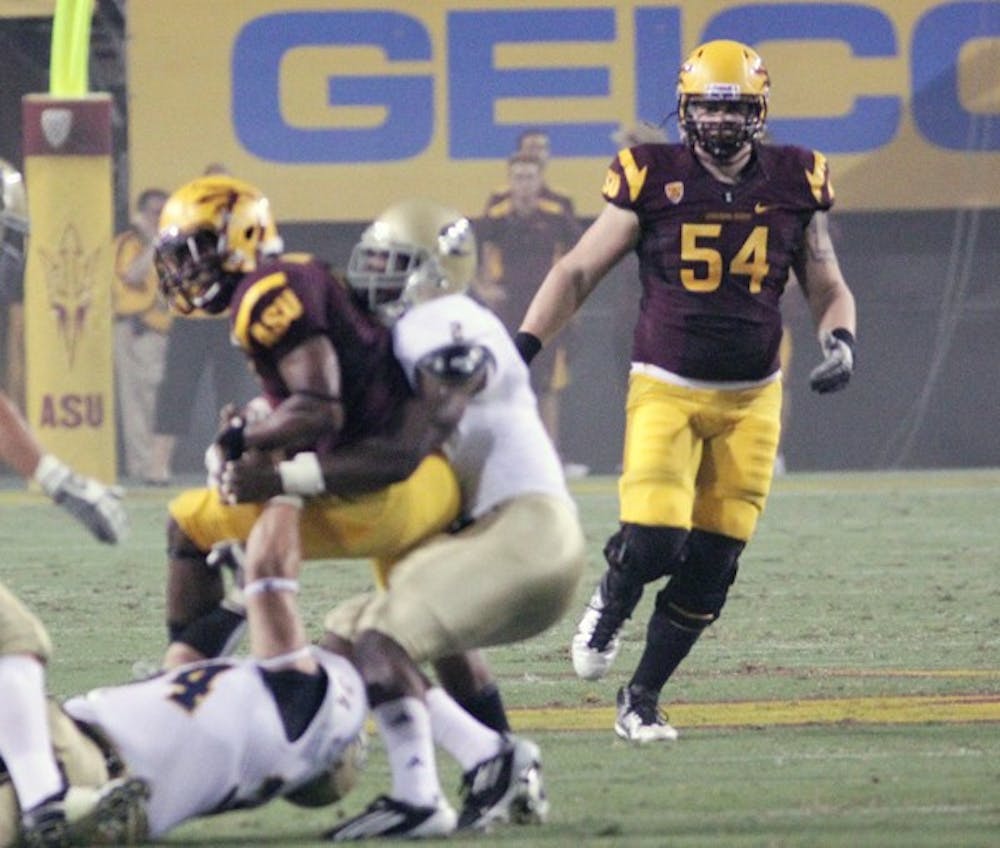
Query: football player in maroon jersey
pixel 717 222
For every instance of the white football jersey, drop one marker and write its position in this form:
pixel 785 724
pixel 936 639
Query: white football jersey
pixel 208 737
pixel 500 449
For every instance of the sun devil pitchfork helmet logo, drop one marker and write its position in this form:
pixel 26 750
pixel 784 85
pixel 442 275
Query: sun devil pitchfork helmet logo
pixel 70 278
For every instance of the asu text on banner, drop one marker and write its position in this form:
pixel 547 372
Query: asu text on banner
pixel 337 109
pixel 69 397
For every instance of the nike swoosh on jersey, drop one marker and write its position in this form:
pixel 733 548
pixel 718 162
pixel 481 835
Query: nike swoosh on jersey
pixel 761 208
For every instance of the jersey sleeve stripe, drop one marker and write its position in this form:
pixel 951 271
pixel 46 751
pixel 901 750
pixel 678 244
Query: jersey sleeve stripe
pixel 249 301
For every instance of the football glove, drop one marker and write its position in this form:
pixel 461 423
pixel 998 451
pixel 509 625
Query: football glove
pixel 834 372
pixel 231 440
pixel 96 506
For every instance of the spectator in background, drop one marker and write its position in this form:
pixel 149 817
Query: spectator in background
pixel 142 321
pixel 534 142
pixel 197 341
pixel 522 234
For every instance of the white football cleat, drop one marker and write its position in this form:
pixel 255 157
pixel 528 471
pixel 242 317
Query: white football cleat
pixel 504 788
pixel 640 719
pixel 387 817
pixel 597 639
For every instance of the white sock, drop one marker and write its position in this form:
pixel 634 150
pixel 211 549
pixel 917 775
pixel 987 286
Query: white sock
pixel 25 742
pixel 406 730
pixel 468 741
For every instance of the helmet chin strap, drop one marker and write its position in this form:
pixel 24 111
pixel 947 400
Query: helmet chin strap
pixel 729 170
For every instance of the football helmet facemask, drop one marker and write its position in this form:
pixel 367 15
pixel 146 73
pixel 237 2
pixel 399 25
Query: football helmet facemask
pixel 13 230
pixel 722 94
pixel 212 231
pixel 414 251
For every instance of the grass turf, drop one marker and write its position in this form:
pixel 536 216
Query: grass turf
pixel 849 695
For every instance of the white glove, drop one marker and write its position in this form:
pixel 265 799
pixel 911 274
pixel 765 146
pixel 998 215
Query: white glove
pixel 215 462
pixel 96 506
pixel 834 372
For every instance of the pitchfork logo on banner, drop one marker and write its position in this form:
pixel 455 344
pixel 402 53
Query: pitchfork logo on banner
pixel 56 126
pixel 70 276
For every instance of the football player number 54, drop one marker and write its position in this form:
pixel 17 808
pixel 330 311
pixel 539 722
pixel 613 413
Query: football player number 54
pixel 697 247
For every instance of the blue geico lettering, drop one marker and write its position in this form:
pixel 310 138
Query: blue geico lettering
pixel 408 101
pixel 475 85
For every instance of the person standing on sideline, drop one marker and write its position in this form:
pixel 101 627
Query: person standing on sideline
pixel 718 223
pixel 142 321
pixel 522 235
pixel 534 142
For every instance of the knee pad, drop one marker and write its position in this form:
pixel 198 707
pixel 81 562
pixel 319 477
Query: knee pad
pixel 641 554
pixel 696 593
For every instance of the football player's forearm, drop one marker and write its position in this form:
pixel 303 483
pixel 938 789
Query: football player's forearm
pixel 18 447
pixel 367 467
pixel 831 303
pixel 553 305
pixel 298 423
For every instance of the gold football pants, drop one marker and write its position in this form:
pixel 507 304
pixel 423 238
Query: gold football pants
pixel 698 457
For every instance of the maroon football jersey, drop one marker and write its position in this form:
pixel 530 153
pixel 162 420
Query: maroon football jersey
pixel 289 300
pixel 714 258
pixel 526 248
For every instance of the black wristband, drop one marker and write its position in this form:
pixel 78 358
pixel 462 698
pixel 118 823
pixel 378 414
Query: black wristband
pixel 528 345
pixel 844 335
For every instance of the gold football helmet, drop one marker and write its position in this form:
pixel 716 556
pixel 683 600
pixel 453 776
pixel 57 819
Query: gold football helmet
pixel 415 250
pixel 722 92
pixel 213 230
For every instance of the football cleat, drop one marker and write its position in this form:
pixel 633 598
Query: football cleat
pixel 507 787
pixel 45 825
pixel 112 814
pixel 640 719
pixel 386 816
pixel 119 816
pixel 597 639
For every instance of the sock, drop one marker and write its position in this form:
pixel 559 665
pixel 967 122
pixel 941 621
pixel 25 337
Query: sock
pixel 486 707
pixel 25 741
pixel 464 738
pixel 666 645
pixel 406 730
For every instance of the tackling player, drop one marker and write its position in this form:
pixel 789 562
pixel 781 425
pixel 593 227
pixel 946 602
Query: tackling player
pixel 718 223
pixel 511 571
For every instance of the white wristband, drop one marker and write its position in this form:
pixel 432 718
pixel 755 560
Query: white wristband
pixel 283 660
pixel 271 584
pixel 301 475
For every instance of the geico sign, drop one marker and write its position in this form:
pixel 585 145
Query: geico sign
pixel 475 85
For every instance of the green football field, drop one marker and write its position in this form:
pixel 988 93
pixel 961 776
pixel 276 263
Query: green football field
pixel 849 695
